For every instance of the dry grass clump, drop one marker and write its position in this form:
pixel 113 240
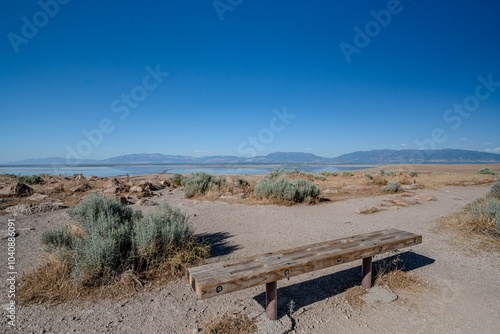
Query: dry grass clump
pixel 370 210
pixel 479 221
pixel 231 324
pixel 397 279
pixel 354 296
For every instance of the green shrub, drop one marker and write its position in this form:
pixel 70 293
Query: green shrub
pixel 386 172
pixel 392 187
pixel 347 174
pixel 30 179
pixel 114 239
pixel 177 179
pixel 158 231
pixel 58 238
pixel 488 208
pixel 495 191
pixel 487 171
pixel 317 176
pixel 280 189
pixel 413 174
pixel 368 176
pixel 199 183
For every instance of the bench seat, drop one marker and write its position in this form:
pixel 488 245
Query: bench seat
pixel 223 277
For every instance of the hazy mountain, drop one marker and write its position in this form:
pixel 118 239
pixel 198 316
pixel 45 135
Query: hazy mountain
pixel 444 156
pixel 54 161
pixel 375 157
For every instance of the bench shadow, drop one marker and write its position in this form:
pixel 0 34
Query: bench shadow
pixel 218 243
pixel 321 288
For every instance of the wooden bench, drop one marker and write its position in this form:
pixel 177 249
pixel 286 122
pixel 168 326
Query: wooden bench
pixel 223 277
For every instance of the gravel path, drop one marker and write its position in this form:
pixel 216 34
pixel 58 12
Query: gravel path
pixel 462 292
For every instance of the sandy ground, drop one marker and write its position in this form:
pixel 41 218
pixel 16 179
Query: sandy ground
pixel 461 293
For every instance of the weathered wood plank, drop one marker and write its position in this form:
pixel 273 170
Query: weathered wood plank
pixel 224 277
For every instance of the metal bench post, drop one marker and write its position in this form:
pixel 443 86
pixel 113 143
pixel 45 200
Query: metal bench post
pixel 367 273
pixel 272 300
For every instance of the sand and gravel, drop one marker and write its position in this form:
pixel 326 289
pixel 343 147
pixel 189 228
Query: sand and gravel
pixel 460 294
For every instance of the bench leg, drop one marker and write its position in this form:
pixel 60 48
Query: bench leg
pixel 367 273
pixel 272 300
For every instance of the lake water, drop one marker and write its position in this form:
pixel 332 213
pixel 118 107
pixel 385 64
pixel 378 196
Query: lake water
pixel 119 170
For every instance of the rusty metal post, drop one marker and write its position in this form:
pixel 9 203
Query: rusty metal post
pixel 367 273
pixel 272 300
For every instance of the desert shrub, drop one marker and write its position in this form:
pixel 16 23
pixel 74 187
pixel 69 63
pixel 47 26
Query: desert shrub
pixel 413 174
pixel 347 174
pixel 486 171
pixel 177 179
pixel 158 231
pixel 242 184
pixel 58 238
pixel 316 176
pixel 114 239
pixel 368 176
pixel 392 187
pixel 280 189
pixel 495 191
pixel 485 213
pixel 386 172
pixel 30 179
pixel 199 183
pixel 327 173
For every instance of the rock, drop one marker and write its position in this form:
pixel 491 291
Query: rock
pixel 112 183
pixel 136 189
pixel 330 191
pixel 112 190
pixel 149 186
pixel 37 197
pixel 113 186
pixel 80 188
pixel 425 198
pixel 16 189
pixel 29 209
pixel 125 201
pixel 378 294
pixel 146 202
pixel 92 178
pixel 79 177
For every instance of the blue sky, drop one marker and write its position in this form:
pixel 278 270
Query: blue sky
pixel 89 79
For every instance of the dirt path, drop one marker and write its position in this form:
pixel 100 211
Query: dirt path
pixel 462 293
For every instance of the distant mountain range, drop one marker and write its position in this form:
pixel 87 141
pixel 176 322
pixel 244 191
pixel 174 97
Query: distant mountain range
pixel 374 157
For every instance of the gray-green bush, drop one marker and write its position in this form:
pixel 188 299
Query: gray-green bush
pixel 30 179
pixel 276 187
pixel 495 191
pixel 487 207
pixel 177 179
pixel 413 174
pixel 159 230
pixel 114 238
pixel 487 171
pixel 199 183
pixel 58 238
pixel 392 187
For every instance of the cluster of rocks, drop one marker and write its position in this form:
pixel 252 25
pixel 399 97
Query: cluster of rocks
pixel 30 209
pixel 16 189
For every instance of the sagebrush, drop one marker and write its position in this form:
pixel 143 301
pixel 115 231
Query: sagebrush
pixel 108 238
pixel 199 183
pixel 276 187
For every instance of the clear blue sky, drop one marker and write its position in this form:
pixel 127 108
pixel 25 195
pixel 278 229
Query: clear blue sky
pixel 232 67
